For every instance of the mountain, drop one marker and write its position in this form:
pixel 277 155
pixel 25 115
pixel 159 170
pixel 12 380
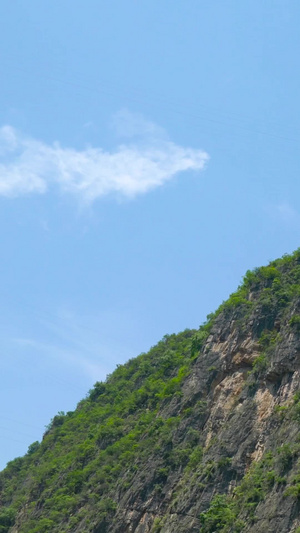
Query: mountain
pixel 200 434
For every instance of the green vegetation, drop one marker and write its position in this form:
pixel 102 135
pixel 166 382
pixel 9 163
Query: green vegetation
pixel 260 364
pixel 224 512
pixel 295 322
pixel 221 516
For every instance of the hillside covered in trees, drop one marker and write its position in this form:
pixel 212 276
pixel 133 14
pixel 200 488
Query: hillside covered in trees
pixel 200 434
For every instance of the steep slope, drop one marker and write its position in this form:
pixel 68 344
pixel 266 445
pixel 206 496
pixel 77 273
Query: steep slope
pixel 199 434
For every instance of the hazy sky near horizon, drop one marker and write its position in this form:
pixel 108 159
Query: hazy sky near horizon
pixel 149 156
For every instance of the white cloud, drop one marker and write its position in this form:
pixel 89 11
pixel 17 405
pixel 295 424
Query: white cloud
pixel 29 166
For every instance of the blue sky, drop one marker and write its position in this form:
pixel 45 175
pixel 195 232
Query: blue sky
pixel 149 155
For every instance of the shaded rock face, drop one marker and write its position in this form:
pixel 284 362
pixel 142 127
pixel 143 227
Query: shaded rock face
pixel 201 434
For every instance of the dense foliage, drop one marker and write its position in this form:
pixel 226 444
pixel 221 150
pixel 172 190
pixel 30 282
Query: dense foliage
pixel 85 453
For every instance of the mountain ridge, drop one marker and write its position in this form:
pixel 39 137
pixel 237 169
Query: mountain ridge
pixel 198 434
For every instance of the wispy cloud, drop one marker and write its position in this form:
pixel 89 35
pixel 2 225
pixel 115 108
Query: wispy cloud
pixel 133 125
pixel 283 213
pixel 84 344
pixel 287 213
pixel 146 161
pixel 66 356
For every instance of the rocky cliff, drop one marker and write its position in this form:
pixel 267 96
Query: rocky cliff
pixel 199 434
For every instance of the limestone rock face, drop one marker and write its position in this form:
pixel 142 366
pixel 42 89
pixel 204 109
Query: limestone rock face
pixel 200 434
